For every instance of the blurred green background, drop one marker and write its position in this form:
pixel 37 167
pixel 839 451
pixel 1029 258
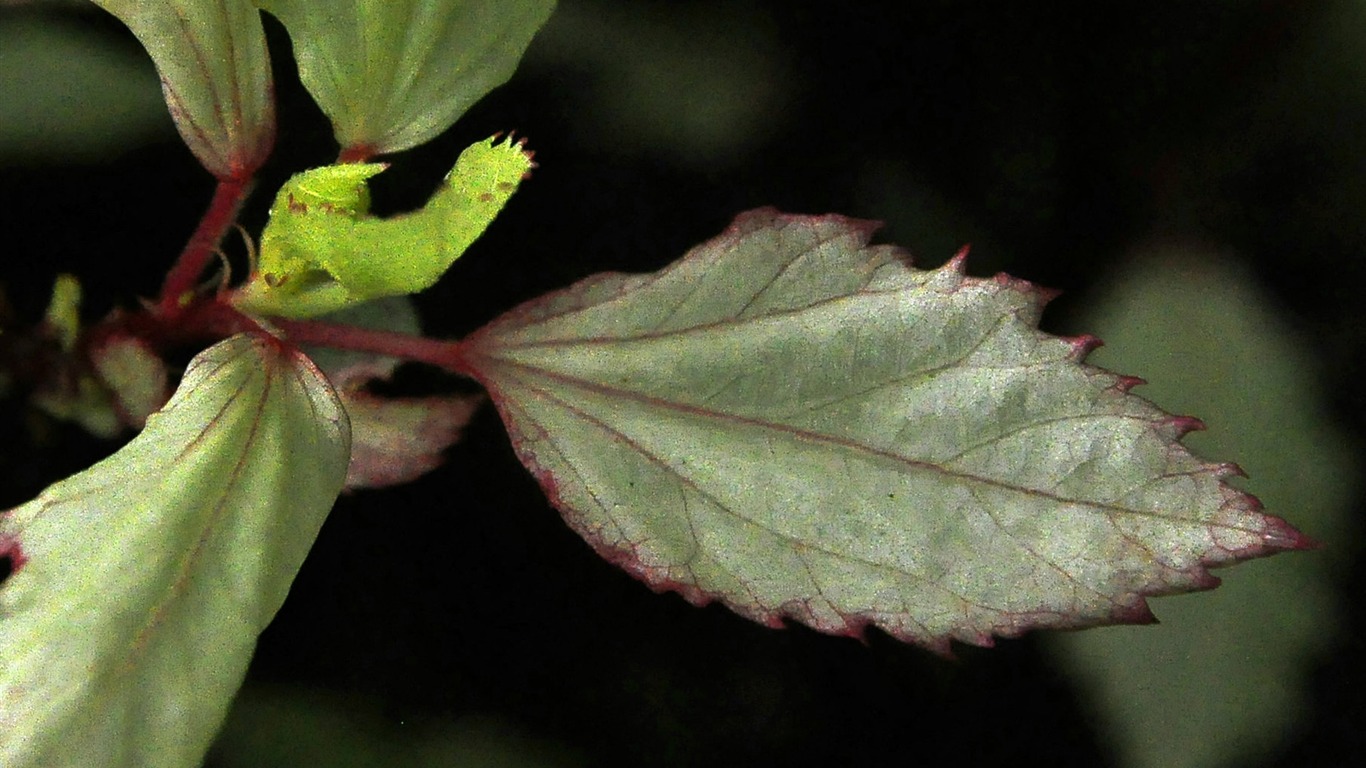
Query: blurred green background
pixel 1191 175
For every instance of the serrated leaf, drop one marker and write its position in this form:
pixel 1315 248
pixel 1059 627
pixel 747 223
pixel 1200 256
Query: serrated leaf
pixel 1224 682
pixel 392 74
pixel 321 251
pixel 215 74
pixel 805 427
pixel 141 584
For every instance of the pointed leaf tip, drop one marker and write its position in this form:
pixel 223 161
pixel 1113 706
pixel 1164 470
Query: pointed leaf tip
pixel 804 427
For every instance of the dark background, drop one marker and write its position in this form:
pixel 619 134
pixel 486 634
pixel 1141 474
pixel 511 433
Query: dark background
pixel 1051 136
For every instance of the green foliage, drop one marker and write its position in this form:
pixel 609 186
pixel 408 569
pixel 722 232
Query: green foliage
pixel 785 420
pixel 804 427
pixel 144 581
pixel 1222 682
pixel 392 74
pixel 108 99
pixel 321 252
pixel 215 74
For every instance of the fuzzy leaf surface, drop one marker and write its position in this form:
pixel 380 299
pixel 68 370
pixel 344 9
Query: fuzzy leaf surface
pixel 805 427
pixel 215 74
pixel 141 584
pixel 392 74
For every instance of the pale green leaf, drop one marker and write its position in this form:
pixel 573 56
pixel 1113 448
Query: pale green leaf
pixel 135 376
pixel 321 250
pixel 141 584
pixel 215 74
pixel 392 74
pixel 804 427
pixel 1224 682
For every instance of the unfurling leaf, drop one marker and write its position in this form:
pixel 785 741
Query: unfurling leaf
pixel 805 427
pixel 392 74
pixel 215 74
pixel 141 584
pixel 322 252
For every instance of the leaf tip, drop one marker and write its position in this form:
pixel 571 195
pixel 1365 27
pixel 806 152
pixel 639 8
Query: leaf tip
pixel 1281 536
pixel 516 143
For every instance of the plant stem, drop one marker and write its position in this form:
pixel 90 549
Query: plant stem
pixel 222 212
pixel 440 353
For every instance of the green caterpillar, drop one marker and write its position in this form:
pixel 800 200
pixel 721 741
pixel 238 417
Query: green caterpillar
pixel 321 250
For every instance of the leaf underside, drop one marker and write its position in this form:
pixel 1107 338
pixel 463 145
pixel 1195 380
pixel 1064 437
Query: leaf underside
pixel 393 74
pixel 141 584
pixel 215 74
pixel 805 427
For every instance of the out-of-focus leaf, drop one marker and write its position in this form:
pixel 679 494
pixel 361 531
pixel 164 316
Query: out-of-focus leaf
pixel 74 396
pixel 63 316
pixel 401 439
pixel 322 252
pixel 805 427
pixel 703 85
pixel 392 74
pixel 135 376
pixel 215 74
pixel 68 391
pixel 70 95
pixel 1222 682
pixel 141 584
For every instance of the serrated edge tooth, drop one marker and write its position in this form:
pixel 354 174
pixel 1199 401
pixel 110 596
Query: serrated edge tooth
pixel 1125 383
pixel 1083 345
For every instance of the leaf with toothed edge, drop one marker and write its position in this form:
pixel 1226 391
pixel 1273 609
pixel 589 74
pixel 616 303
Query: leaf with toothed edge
pixel 139 586
pixel 805 427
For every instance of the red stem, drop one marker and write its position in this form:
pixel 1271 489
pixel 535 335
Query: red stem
pixel 442 354
pixel 199 251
